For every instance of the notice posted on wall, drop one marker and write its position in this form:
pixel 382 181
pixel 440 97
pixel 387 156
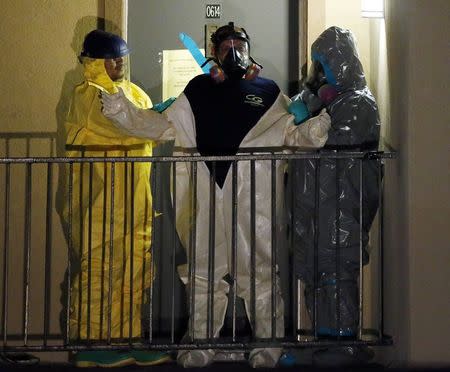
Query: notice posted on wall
pixel 179 67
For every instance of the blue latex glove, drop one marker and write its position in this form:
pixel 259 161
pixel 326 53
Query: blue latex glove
pixel 287 360
pixel 299 109
pixel 161 106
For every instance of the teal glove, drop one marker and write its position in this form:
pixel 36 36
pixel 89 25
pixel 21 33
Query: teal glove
pixel 299 110
pixel 161 106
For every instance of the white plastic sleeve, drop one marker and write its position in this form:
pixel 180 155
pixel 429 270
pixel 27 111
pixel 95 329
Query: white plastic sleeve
pixel 134 121
pixel 313 133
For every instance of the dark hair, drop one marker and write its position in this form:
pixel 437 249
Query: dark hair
pixel 229 31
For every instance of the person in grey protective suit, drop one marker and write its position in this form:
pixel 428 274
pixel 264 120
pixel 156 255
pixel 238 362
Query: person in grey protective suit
pixel 218 114
pixel 355 125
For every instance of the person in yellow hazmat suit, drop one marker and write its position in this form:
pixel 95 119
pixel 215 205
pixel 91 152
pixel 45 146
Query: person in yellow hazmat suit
pixel 108 211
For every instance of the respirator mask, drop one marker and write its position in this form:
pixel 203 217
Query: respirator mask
pixel 232 55
pixel 234 58
pixel 316 77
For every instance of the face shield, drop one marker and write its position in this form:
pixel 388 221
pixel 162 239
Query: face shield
pixel 234 57
pixel 118 69
pixel 106 73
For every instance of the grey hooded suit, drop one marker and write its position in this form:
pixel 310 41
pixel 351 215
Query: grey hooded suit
pixel 355 125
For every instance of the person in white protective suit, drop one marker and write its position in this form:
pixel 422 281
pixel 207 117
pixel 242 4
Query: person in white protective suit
pixel 219 113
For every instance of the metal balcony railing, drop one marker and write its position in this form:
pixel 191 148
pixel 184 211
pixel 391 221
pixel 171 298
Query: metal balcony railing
pixel 39 197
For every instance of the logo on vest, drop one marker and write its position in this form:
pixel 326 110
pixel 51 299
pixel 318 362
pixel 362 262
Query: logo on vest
pixel 253 100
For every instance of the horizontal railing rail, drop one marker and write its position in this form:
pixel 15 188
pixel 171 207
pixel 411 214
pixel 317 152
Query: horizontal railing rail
pixel 47 210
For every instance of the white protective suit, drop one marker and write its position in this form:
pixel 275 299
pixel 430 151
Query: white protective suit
pixel 275 128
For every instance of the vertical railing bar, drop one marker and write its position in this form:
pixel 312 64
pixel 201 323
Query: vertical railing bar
pixel 27 236
pixel 190 260
pixel 234 245
pixel 48 252
pixel 144 292
pixel 253 247
pixel 297 311
pixel 152 256
pixel 274 248
pixel 338 251
pixel 211 253
pixel 193 238
pixel 69 254
pixel 124 246
pixel 174 240
pixel 81 223
pixel 89 279
pixel 316 243
pixel 190 264
pixel 361 272
pixel 296 303
pixel 6 253
pixel 145 269
pixel 103 259
pixel 130 320
pixel 111 252
pixel 380 180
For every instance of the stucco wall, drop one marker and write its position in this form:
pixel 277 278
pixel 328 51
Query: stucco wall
pixel 326 13
pixel 40 41
pixel 417 266
pixel 348 15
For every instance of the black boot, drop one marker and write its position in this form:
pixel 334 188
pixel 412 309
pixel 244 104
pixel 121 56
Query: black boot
pixel 18 359
pixel 330 324
pixel 342 356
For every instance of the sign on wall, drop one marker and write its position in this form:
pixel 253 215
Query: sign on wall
pixel 213 11
pixel 179 67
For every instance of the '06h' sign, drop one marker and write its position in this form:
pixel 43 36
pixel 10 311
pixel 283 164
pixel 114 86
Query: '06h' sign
pixel 213 11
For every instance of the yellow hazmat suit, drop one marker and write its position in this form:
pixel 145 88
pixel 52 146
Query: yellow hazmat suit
pixel 110 256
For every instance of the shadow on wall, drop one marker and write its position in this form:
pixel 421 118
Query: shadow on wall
pixel 72 78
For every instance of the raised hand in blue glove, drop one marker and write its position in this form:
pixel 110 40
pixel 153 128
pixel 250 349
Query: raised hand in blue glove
pixel 299 109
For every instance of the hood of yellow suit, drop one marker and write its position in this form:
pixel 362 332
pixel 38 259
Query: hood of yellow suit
pixel 96 75
pixel 85 123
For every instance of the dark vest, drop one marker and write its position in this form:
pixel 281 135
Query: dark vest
pixel 225 112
